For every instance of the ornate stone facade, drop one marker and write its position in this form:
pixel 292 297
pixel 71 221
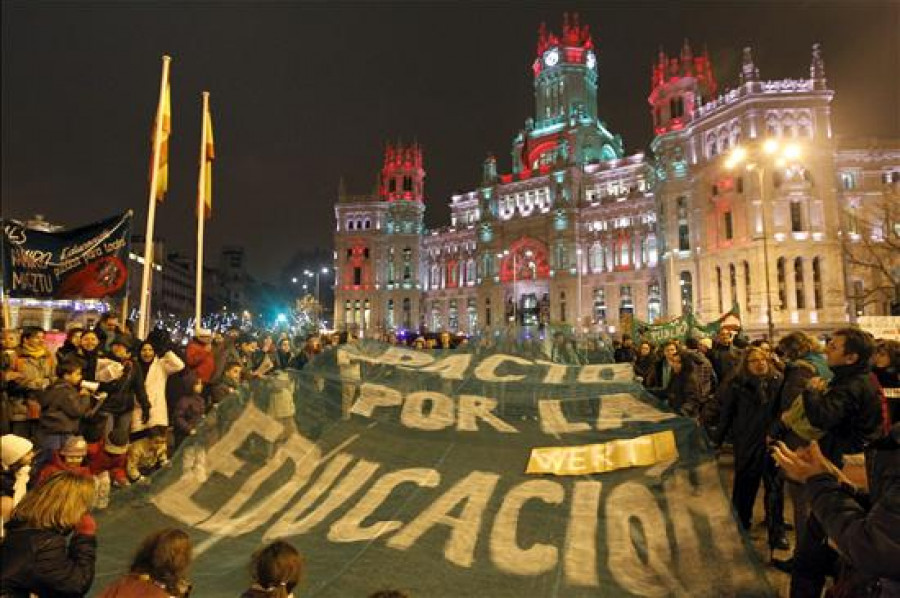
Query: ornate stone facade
pixel 579 234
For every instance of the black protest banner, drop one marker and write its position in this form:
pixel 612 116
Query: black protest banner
pixel 448 474
pixel 90 262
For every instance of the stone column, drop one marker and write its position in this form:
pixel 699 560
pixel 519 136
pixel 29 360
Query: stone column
pixel 741 287
pixel 809 283
pixel 790 286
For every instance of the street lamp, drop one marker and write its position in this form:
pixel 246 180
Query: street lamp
pixel 772 154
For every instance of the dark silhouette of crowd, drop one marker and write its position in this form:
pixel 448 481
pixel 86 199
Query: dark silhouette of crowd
pixel 106 410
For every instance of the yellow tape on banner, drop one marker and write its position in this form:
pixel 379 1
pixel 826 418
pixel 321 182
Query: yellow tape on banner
pixel 609 456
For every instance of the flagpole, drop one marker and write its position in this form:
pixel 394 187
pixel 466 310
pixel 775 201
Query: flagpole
pixel 201 211
pixel 4 300
pixel 143 318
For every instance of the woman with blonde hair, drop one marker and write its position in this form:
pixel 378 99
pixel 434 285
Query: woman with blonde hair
pixel 276 570
pixel 50 545
pixel 159 568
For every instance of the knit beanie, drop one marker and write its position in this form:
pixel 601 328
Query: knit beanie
pixel 13 448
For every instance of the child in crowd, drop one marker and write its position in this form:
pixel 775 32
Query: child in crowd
pixel 69 458
pixel 63 405
pixel 147 454
pixel 276 570
pixel 229 385
pixel 189 410
pixel 16 454
pixel 106 460
pixel 159 569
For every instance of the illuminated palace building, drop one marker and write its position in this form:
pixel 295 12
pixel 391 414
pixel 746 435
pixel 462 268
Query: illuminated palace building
pixel 749 200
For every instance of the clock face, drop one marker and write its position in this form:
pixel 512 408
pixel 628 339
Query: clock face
pixel 551 57
pixel 591 60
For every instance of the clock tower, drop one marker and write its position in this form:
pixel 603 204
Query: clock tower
pixel 565 128
pixel 565 73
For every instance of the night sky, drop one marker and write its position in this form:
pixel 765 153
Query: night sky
pixel 303 94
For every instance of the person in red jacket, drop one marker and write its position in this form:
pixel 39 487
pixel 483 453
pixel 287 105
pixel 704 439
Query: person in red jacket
pixel 199 355
pixel 109 455
pixel 69 458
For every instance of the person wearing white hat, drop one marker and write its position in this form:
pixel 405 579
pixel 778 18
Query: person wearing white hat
pixel 16 454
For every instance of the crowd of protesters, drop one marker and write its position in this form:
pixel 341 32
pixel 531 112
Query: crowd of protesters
pixel 793 414
pixel 107 409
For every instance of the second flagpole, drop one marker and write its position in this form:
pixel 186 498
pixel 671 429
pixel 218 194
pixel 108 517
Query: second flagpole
pixel 201 211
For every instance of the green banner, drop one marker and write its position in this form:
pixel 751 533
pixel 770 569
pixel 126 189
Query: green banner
pixel 392 468
pixel 685 326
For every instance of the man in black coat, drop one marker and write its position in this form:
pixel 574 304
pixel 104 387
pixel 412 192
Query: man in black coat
pixel 848 410
pixel 724 356
pixel 863 526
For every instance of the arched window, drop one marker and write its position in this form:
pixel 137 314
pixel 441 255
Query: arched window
pixel 626 301
pixel 799 286
pixel 652 253
pixel 719 289
pixel 712 148
pixel 390 313
pixel 596 257
pixel 562 306
pixel 625 250
pixel 817 282
pixel 407 313
pixel 687 292
pixel 732 279
pixel 654 301
pixel 796 216
pixel 560 254
pixel 747 285
pixel 684 234
pixel 453 317
pixel 782 290
pixel 599 305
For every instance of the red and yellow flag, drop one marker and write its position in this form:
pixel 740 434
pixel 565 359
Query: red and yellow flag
pixel 164 113
pixel 209 154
